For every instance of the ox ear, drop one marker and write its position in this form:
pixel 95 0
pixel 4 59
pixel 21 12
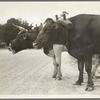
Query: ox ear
pixel 24 36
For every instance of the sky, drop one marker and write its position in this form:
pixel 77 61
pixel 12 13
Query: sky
pixel 37 12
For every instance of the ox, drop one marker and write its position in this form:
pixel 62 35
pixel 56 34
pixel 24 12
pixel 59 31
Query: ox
pixel 23 40
pixel 82 40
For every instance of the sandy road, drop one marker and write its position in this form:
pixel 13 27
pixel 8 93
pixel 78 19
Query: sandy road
pixel 29 72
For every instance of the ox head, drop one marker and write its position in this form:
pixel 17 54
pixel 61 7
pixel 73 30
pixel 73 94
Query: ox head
pixel 52 33
pixel 23 40
pixel 18 44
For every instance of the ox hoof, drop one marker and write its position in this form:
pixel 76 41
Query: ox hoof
pixel 53 76
pixel 88 88
pixel 77 83
pixel 58 78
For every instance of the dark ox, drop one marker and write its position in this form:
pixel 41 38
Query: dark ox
pixel 24 40
pixel 81 40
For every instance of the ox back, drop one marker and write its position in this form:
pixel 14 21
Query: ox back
pixel 85 35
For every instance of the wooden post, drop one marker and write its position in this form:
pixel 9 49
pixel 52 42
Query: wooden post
pixel 64 16
pixel 56 17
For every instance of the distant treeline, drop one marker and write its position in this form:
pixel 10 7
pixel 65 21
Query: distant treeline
pixel 8 32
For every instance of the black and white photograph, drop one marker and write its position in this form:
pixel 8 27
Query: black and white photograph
pixel 50 49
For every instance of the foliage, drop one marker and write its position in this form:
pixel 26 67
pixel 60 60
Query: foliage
pixel 8 32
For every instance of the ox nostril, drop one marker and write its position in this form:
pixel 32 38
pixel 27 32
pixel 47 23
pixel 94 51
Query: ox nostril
pixel 9 48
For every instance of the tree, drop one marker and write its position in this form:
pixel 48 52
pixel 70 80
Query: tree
pixel 8 32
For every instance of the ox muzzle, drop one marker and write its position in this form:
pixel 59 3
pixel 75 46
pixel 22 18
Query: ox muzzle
pixel 10 49
pixel 36 46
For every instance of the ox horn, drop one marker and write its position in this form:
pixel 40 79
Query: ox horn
pixel 19 27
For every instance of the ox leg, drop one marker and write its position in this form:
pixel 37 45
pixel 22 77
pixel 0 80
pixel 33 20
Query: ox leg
pixel 80 68
pixel 97 63
pixel 55 67
pixel 88 67
pixel 57 51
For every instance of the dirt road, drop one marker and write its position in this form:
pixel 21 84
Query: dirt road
pixel 29 72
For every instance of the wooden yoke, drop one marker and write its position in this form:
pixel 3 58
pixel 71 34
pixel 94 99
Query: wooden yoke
pixel 62 15
pixel 56 17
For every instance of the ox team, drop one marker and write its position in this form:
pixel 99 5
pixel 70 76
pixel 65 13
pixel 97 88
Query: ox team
pixel 79 35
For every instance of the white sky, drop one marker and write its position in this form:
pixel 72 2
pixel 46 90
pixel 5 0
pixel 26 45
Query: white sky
pixel 37 12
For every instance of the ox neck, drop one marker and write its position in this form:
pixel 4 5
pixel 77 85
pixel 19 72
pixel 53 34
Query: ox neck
pixel 30 46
